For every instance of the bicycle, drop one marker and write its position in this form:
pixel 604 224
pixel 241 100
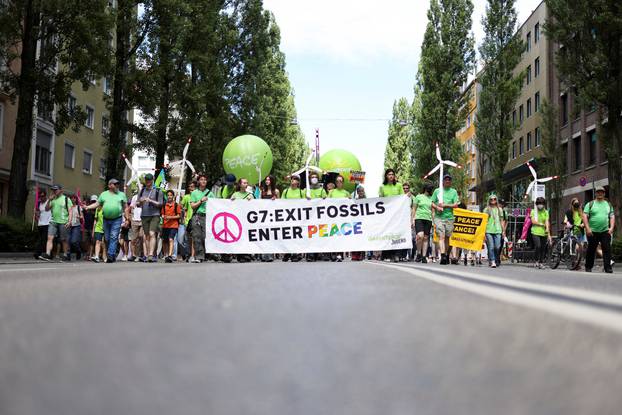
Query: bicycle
pixel 567 249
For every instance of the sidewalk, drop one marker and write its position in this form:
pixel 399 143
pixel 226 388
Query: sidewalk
pixel 17 258
pixel 598 267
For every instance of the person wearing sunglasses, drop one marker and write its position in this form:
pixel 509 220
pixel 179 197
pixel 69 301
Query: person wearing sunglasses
pixel 494 230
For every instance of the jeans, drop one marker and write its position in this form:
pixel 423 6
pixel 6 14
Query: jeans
pixel 112 227
pixel 198 235
pixel 539 243
pixel 493 243
pixel 181 241
pixel 592 243
pixel 75 238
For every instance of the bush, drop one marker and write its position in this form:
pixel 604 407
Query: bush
pixel 16 236
pixel 616 249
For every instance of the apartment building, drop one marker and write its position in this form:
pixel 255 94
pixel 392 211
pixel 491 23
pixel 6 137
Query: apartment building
pixel 467 136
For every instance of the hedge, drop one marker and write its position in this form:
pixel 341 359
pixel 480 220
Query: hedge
pixel 16 236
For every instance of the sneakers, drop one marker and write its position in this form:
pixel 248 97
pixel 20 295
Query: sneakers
pixel 339 258
pixel 424 260
pixel 194 260
pixel 493 265
pixel 110 260
pixel 45 257
pixel 95 259
pixel 131 259
pixel 444 259
pixel 66 258
pixel 142 259
pixel 168 260
pixel 124 258
pixel 152 259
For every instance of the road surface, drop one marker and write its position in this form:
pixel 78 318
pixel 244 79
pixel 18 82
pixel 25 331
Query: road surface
pixel 321 338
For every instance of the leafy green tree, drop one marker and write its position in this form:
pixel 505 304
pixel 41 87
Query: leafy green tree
pixel 397 154
pixel 554 160
pixel 591 62
pixel 447 58
pixel 73 42
pixel 500 52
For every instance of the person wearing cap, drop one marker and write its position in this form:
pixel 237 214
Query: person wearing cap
pixel 228 189
pixel 150 199
pixel 60 222
pixel 599 221
pixel 112 203
pixel 198 202
pixel 293 192
pixel 494 230
pixel 444 217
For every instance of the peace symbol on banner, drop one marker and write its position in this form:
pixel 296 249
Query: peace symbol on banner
pixel 226 228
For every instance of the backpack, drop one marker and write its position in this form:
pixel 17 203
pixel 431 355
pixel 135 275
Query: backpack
pixel 163 211
pixel 591 204
pixel 157 194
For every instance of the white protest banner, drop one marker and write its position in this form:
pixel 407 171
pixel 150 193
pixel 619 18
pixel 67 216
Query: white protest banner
pixel 301 226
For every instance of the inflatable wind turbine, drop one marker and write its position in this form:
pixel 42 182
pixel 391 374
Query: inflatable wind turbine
pixel 441 166
pixel 135 175
pixel 306 169
pixel 183 162
pixel 533 186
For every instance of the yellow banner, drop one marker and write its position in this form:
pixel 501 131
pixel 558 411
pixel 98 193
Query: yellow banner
pixel 469 229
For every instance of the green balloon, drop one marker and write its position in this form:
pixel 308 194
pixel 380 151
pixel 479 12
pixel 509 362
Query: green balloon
pixel 342 162
pixel 244 155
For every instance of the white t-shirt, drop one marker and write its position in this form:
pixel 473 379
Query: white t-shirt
pixel 136 210
pixel 44 215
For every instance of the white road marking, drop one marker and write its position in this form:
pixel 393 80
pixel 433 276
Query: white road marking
pixel 575 311
pixel 27 269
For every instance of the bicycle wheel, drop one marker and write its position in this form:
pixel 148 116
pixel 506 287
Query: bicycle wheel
pixel 555 255
pixel 575 254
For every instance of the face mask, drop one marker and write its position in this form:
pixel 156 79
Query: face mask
pixel 540 207
pixel 576 205
pixel 314 180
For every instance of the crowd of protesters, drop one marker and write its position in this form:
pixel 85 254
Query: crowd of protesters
pixel 157 225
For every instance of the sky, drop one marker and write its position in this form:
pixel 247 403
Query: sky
pixel 349 60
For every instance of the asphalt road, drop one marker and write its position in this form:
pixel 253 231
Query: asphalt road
pixel 324 338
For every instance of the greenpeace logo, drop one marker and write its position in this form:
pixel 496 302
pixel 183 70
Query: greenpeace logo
pixel 398 241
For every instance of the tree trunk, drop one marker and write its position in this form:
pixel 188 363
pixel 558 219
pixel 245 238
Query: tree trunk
pixel 162 128
pixel 613 140
pixel 116 138
pixel 27 90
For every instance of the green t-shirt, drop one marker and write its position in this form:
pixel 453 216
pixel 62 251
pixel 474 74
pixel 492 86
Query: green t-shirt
pixel 197 195
pixel 338 194
pixel 242 196
pixel 185 205
pixel 112 204
pixel 387 190
pixel 495 219
pixel 450 197
pixel 319 193
pixel 423 203
pixel 598 214
pixel 99 220
pixel 226 192
pixel 290 193
pixel 60 209
pixel 543 216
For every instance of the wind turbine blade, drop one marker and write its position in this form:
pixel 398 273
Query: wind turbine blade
pixel 298 172
pixel 547 179
pixel 176 163
pixel 186 147
pixel 533 171
pixel 452 164
pixel 434 170
pixel 316 169
pixel 438 153
pixel 191 166
pixel 530 187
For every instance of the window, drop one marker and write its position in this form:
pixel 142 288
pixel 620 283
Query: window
pixel 528 41
pixel 45 107
pixel 1 127
pixel 536 103
pixel 102 168
pixel 107 85
pixel 87 162
pixel 90 117
pixel 105 126
pixel 514 118
pixel 521 114
pixel 564 108
pixel 43 153
pixel 592 138
pixel 528 77
pixel 536 33
pixel 565 155
pixel 513 150
pixel 521 147
pixel 537 137
pixel 528 107
pixel 70 155
pixel 529 141
pixel 72 103
pixel 576 146
pixel 536 67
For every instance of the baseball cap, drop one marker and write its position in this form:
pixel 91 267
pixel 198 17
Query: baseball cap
pixel 600 189
pixel 113 181
pixel 230 178
pixel 295 177
pixel 93 198
pixel 148 176
pixel 56 187
pixel 447 177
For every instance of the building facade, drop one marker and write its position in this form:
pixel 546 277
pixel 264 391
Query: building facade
pixel 467 137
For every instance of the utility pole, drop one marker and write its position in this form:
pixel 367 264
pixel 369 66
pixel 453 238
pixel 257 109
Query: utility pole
pixel 317 146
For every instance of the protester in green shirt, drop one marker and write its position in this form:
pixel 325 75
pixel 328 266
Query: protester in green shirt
pixel 573 219
pixel 540 231
pixel 240 191
pixel 60 205
pixel 444 204
pixel 229 188
pixel 338 193
pixel 315 190
pixel 184 233
pixel 293 192
pixel 198 202
pixel 494 230
pixel 599 221
pixel 390 187
pixel 422 214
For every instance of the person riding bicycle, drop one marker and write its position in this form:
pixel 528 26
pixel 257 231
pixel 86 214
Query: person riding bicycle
pixel 574 219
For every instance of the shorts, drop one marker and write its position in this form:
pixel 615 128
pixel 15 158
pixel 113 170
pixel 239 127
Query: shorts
pixel 125 233
pixel 151 224
pixel 99 236
pixel 444 227
pixel 135 230
pixel 169 233
pixel 423 225
pixel 58 230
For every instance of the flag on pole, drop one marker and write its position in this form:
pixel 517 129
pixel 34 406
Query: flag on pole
pixel 161 180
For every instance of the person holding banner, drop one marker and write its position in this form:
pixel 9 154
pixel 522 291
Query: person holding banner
pixel 198 201
pixel 444 217
pixel 423 214
pixel 269 191
pixel 315 191
pixel 541 231
pixel 293 192
pixel 494 230
pixel 241 193
pixel 338 193
pixel 390 187
pixel 229 188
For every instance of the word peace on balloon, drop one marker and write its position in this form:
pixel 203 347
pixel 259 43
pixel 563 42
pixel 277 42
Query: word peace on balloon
pixel 243 161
